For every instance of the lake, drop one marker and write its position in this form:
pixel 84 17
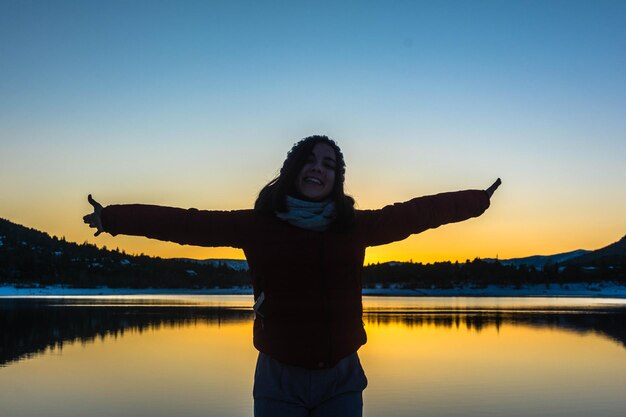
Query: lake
pixel 193 356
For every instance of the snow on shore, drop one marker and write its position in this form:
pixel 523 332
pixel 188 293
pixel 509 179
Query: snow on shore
pixel 59 290
pixel 596 290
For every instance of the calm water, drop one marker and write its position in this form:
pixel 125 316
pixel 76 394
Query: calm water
pixel 193 356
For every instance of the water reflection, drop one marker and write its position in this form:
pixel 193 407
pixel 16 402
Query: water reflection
pixel 30 326
pixel 607 323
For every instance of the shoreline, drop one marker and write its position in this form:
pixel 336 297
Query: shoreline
pixel 605 289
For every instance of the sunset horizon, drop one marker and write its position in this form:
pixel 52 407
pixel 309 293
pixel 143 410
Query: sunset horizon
pixel 225 253
pixel 198 105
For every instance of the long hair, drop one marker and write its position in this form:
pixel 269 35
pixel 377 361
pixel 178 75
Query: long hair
pixel 273 197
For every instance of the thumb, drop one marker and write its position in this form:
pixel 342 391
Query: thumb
pixel 93 202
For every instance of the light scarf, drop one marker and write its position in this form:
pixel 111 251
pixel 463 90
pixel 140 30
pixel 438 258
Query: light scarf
pixel 311 215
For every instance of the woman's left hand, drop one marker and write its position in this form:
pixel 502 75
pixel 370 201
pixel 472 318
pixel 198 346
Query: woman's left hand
pixel 493 187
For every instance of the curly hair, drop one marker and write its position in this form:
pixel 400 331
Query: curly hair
pixel 273 197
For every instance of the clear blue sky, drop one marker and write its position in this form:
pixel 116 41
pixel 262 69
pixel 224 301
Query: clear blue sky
pixel 196 104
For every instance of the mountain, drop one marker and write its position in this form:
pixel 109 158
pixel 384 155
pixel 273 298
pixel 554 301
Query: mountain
pixel 613 254
pixel 539 261
pixel 29 257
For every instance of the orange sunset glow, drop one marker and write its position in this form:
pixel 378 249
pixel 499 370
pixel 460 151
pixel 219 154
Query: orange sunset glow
pixel 201 107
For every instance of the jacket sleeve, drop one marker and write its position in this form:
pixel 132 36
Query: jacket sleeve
pixel 399 221
pixel 184 226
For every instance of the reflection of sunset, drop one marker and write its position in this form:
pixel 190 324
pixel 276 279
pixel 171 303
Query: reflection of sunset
pixel 173 370
pixel 427 364
pixel 444 356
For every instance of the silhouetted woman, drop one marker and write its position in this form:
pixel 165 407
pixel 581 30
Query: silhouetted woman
pixel 305 245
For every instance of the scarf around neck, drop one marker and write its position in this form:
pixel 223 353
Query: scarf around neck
pixel 311 215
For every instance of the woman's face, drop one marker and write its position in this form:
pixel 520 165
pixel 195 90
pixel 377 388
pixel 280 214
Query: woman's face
pixel 317 177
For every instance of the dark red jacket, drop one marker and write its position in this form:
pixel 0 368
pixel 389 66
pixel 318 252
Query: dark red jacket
pixel 311 280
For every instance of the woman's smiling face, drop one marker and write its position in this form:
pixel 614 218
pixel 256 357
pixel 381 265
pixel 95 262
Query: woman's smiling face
pixel 317 177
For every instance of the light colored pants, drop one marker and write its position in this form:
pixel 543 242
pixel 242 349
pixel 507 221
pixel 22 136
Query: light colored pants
pixel 289 391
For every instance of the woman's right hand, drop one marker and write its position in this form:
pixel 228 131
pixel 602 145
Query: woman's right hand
pixel 93 219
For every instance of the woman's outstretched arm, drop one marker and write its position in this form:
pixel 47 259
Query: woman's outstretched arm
pixel 184 226
pixel 398 221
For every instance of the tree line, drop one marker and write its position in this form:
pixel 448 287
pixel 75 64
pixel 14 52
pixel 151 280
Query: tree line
pixel 29 257
pixel 480 273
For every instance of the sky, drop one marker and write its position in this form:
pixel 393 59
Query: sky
pixel 196 103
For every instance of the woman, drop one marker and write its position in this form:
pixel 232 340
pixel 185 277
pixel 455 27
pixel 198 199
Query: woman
pixel 305 245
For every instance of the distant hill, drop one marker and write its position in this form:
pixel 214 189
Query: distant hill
pixel 29 257
pixel 613 254
pixel 234 264
pixel 539 261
